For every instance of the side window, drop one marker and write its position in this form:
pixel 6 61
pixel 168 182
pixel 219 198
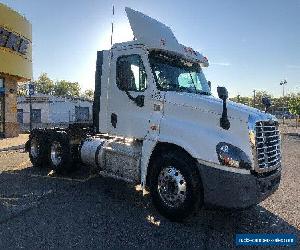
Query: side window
pixel 131 74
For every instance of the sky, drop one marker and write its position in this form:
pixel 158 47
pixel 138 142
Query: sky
pixel 250 44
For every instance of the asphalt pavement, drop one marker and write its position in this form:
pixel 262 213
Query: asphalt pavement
pixel 41 210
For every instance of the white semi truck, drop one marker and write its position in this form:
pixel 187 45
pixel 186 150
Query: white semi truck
pixel 155 123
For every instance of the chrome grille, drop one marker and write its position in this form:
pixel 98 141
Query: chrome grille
pixel 267 145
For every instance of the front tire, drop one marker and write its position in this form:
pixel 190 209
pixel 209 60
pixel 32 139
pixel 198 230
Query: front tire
pixel 175 185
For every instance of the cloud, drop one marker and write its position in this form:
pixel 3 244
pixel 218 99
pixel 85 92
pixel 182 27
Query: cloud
pixel 293 66
pixel 221 63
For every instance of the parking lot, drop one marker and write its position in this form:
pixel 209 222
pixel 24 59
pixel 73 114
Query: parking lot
pixel 38 209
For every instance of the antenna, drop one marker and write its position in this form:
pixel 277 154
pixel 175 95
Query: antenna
pixel 112 25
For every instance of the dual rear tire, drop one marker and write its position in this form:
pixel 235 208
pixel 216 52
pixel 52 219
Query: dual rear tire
pixel 60 152
pixel 50 149
pixel 38 150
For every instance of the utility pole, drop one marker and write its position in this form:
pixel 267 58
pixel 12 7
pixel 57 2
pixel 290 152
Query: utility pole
pixel 254 91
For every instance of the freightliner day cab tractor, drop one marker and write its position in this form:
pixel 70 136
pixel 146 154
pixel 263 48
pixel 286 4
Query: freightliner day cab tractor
pixel 155 123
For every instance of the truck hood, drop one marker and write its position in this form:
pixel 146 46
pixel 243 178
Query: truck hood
pixel 214 105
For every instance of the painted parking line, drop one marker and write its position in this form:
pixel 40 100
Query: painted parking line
pixel 56 177
pixel 51 174
pixel 63 178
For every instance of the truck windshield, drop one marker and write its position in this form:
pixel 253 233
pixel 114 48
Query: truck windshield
pixel 176 74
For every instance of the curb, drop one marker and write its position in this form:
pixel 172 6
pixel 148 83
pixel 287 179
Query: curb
pixel 22 146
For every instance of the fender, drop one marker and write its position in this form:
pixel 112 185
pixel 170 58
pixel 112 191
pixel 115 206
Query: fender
pixel 147 150
pixel 199 140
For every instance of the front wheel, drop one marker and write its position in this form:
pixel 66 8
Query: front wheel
pixel 175 185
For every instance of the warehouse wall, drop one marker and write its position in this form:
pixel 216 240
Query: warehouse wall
pixel 55 111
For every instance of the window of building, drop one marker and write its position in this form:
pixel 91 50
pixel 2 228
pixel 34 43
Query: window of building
pixel 36 115
pixel 131 74
pixel 81 114
pixel 20 116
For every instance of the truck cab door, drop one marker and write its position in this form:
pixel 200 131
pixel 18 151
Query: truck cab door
pixel 129 93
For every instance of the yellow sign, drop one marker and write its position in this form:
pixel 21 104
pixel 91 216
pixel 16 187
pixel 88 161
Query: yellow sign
pixel 15 44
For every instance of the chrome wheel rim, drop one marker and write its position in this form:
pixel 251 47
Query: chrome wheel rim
pixel 34 148
pixel 171 186
pixel 56 153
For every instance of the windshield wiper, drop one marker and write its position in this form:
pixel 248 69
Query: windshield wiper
pixel 203 93
pixel 198 92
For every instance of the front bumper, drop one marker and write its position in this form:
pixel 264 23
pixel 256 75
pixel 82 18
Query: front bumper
pixel 236 190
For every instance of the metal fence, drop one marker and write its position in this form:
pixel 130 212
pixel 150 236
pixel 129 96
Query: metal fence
pixel 289 126
pixel 293 122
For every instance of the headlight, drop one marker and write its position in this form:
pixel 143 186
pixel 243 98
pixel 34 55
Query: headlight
pixel 232 156
pixel 251 127
pixel 252 138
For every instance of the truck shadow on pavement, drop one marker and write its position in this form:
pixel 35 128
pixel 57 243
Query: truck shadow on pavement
pixel 41 211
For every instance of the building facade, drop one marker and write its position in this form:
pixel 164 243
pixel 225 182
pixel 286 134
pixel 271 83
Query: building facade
pixel 15 65
pixel 52 111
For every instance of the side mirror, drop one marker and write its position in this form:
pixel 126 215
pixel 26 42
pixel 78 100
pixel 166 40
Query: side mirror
pixel 222 93
pixel 209 84
pixel 139 100
pixel 266 102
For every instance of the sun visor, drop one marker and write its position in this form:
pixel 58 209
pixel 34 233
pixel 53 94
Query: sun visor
pixel 157 35
pixel 150 31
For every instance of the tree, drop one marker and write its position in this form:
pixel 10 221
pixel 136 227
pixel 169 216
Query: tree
pixel 294 104
pixel 243 100
pixel 258 99
pixel 66 88
pixel 88 94
pixel 44 85
pixel 279 104
pixel 22 89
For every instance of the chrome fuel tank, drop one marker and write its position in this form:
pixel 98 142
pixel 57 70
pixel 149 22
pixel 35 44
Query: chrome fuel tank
pixel 90 149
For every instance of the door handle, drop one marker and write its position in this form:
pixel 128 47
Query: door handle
pixel 114 120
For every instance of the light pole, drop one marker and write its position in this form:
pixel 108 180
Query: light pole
pixel 282 83
pixel 31 92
